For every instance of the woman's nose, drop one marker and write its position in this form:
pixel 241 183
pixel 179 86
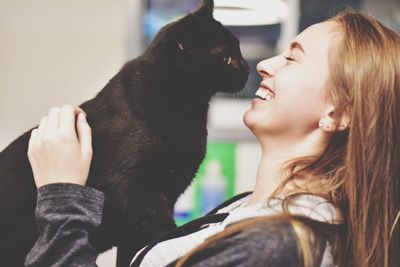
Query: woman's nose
pixel 267 67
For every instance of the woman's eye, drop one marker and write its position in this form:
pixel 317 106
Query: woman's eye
pixel 289 58
pixel 227 60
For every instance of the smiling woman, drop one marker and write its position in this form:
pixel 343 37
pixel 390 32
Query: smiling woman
pixel 331 129
pixel 324 82
pixel 294 88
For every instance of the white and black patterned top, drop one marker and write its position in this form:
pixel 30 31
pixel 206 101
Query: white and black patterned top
pixel 311 206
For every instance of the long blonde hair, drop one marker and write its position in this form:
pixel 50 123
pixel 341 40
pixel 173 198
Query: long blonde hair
pixel 360 168
pixel 359 171
pixel 366 78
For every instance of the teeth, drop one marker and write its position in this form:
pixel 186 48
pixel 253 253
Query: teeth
pixel 264 94
pixel 261 94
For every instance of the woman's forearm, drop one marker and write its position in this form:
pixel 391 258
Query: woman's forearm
pixel 66 214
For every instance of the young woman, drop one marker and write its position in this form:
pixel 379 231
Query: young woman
pixel 327 118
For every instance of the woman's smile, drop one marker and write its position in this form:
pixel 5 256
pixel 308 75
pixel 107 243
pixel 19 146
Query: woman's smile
pixel 265 93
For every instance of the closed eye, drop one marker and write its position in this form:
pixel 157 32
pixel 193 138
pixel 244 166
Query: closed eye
pixel 289 58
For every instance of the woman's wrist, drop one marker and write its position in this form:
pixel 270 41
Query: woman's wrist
pixel 65 198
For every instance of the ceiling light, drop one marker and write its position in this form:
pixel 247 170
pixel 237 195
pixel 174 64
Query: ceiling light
pixel 250 12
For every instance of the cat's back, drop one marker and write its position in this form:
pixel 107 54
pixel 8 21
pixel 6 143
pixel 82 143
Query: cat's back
pixel 15 170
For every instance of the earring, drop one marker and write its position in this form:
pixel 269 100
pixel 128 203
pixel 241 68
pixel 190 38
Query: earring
pixel 326 125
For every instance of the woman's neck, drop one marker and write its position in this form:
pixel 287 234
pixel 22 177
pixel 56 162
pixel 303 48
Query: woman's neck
pixel 274 155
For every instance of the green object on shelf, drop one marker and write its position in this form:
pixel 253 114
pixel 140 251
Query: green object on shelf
pixel 225 154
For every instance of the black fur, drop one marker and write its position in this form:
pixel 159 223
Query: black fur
pixel 149 137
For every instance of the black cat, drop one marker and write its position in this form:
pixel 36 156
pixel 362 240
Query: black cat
pixel 149 137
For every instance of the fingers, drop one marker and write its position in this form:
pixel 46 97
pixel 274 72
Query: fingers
pixel 59 121
pixel 67 119
pixel 62 119
pixel 41 128
pixel 53 120
pixel 84 136
pixel 32 140
pixel 78 110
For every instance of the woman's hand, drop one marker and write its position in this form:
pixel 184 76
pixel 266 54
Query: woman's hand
pixel 59 152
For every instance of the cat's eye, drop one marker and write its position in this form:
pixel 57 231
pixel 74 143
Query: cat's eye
pixel 227 60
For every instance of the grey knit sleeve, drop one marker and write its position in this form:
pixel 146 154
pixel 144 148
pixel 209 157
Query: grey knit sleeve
pixel 271 244
pixel 65 216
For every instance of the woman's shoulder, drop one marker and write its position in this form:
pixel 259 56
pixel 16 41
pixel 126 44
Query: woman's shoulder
pixel 307 205
pixel 260 243
pixel 314 207
pixel 273 243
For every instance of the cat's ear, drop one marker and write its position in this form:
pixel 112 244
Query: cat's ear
pixel 205 9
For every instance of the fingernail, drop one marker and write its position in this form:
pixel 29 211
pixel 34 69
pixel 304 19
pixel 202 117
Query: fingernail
pixel 82 117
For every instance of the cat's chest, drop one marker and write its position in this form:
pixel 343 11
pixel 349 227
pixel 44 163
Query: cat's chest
pixel 186 144
pixel 179 137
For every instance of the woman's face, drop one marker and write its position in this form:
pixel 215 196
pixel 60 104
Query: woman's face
pixel 293 86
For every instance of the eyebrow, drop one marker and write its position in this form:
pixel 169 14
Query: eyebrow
pixel 295 44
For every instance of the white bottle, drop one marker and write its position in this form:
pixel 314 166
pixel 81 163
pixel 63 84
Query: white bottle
pixel 184 207
pixel 213 187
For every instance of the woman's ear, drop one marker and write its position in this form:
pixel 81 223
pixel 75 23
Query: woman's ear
pixel 343 118
pixel 334 119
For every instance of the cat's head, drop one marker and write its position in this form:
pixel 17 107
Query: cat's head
pixel 204 53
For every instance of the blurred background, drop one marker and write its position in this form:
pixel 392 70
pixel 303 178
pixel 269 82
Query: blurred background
pixel 64 52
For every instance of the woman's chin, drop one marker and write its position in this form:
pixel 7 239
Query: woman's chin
pixel 247 118
pixel 258 122
pixel 251 120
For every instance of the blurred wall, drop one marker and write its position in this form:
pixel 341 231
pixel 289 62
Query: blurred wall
pixel 59 52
